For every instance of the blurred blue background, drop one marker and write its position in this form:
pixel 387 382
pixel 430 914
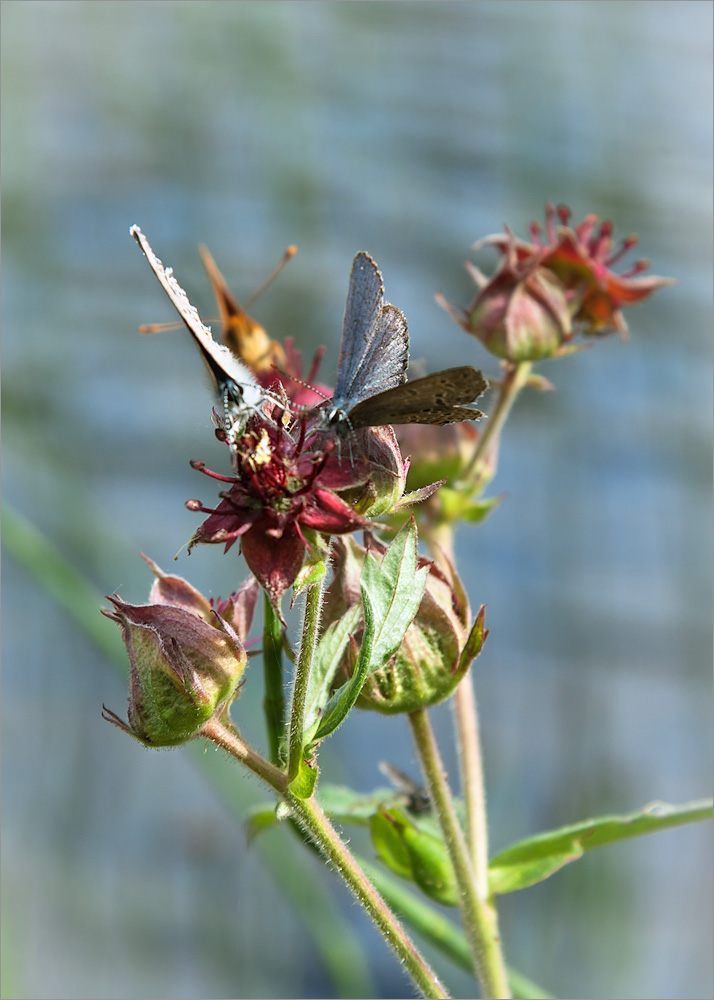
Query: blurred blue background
pixel 408 130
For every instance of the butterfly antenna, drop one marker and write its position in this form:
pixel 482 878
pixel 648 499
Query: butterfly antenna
pixel 289 253
pixel 161 327
pixel 294 378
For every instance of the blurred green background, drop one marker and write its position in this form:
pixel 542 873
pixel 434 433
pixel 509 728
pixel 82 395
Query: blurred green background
pixel 408 130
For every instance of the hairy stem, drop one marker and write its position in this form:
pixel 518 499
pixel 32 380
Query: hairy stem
pixel 316 824
pixel 481 466
pixel 468 740
pixel 487 446
pixel 313 606
pixel 321 831
pixel 228 739
pixel 478 915
pixel 472 783
pixel 274 698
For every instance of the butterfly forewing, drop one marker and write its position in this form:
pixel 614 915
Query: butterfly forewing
pixel 374 352
pixel 233 381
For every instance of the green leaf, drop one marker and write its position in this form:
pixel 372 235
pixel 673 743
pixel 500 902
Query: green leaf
pixel 56 575
pixel 395 588
pixel 260 820
pixel 344 698
pixel 312 571
pixel 416 496
pixel 431 864
pixel 303 784
pixel 457 506
pixel 540 383
pixel 536 858
pixel 273 692
pixel 328 657
pixel 414 854
pixel 475 641
pixel 391 594
pixel 390 846
pixel 478 511
pixel 345 805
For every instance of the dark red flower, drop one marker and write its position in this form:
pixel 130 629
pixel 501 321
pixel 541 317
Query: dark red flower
pixel 288 477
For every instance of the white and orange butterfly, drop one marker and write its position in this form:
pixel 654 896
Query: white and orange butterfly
pixel 235 385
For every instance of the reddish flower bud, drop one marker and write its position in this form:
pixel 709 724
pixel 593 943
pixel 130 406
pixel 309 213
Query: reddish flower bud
pixel 182 669
pixel 237 609
pixel 522 313
pixel 581 258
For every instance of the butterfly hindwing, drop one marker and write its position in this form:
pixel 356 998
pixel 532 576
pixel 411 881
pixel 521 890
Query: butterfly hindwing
pixel 441 398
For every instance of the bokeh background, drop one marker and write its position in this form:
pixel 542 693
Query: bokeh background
pixel 408 130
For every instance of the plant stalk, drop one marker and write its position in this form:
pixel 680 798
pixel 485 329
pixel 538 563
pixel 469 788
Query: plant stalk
pixel 479 916
pixel 482 458
pixel 313 607
pixel 482 465
pixel 468 740
pixel 472 783
pixel 274 697
pixel 313 820
pixel 228 739
pixel 321 831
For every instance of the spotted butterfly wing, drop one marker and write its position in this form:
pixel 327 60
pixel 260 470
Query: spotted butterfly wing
pixel 444 397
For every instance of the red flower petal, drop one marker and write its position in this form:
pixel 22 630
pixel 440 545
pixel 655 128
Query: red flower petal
pixel 325 511
pixel 276 564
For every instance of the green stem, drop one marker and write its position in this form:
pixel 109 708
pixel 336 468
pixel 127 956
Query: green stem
pixel 472 783
pixel 313 606
pixel 228 739
pixel 273 698
pixel 516 377
pixel 468 740
pixel 481 466
pixel 479 917
pixel 318 827
pixel 440 931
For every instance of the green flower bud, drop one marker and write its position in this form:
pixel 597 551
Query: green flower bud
pixel 436 454
pixel 387 472
pixel 438 647
pixel 182 670
pixel 415 854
